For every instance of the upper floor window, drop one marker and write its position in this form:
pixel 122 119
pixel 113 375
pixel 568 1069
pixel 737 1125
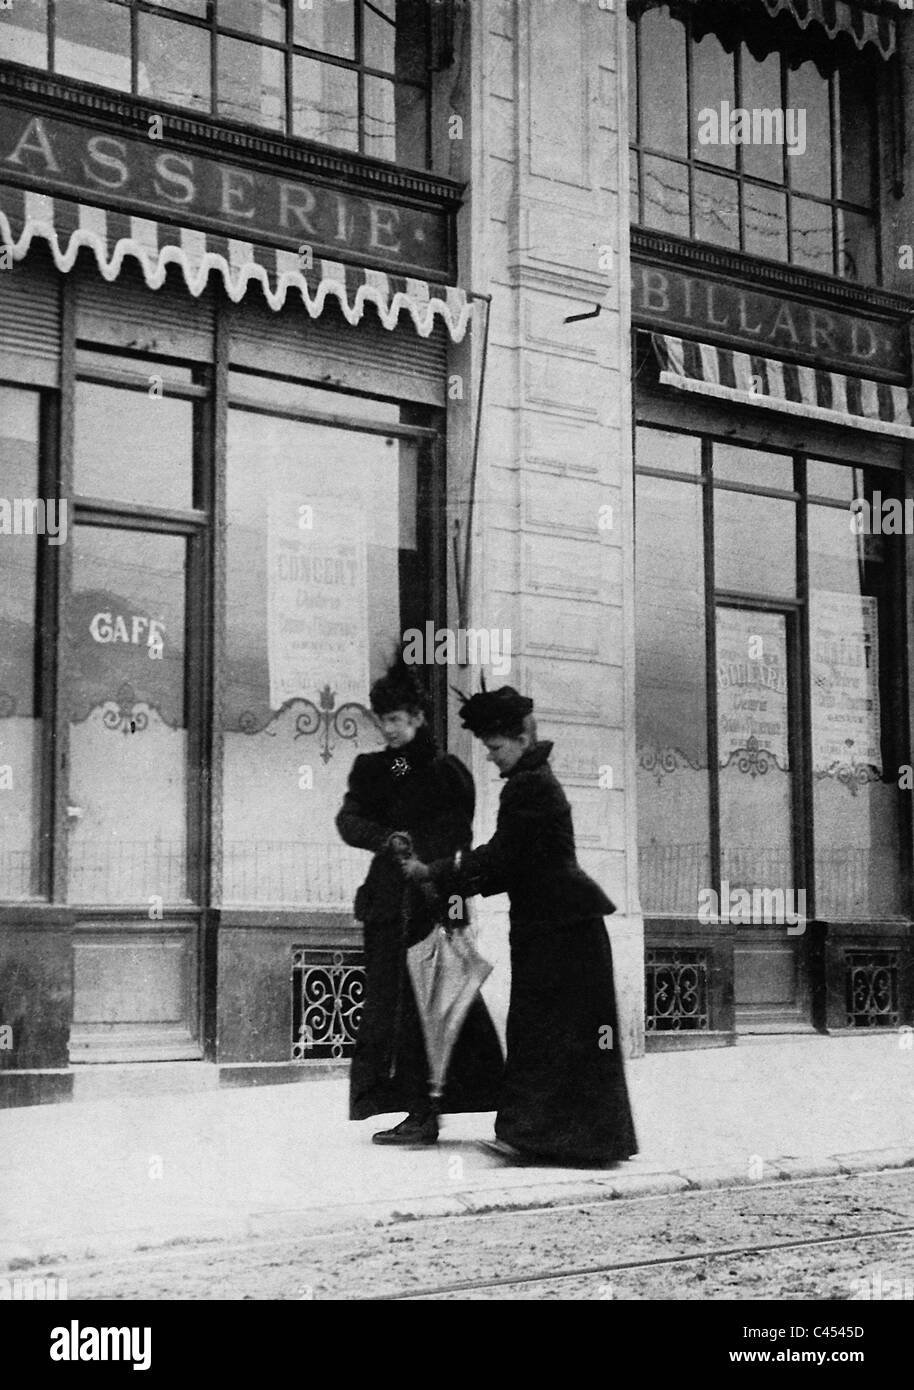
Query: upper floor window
pixel 762 151
pixel 353 74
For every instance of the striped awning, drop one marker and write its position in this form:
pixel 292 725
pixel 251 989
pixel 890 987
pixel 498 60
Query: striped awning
pixel 113 237
pixel 745 379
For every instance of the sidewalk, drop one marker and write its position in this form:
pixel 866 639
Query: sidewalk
pixel 119 1174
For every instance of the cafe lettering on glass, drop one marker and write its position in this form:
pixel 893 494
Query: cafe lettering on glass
pixel 768 323
pixel 146 176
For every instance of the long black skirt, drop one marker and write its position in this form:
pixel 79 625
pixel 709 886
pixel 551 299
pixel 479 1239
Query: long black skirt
pixel 389 1040
pixel 564 1096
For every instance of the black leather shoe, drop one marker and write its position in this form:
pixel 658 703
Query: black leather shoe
pixel 415 1129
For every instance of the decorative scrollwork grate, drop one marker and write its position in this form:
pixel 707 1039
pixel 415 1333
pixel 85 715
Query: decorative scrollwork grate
pixel 872 989
pixel 676 991
pixel 328 988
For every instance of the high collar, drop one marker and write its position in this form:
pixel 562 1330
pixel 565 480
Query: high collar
pixel 420 749
pixel 532 758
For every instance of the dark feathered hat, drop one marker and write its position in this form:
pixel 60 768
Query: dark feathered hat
pixel 490 713
pixel 398 688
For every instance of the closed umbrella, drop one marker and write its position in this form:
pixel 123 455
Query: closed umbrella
pixel 446 972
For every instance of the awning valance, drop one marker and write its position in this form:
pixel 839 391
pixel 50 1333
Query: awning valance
pixel 836 17
pixel 745 379
pixel 869 26
pixel 67 226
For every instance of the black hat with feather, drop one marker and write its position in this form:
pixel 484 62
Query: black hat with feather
pixel 399 688
pixel 495 713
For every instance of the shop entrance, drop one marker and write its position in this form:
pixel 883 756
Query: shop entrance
pixel 762 885
pixel 133 666
pixel 771 722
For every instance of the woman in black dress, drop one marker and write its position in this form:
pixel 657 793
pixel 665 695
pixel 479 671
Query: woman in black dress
pixel 411 787
pixel 564 1097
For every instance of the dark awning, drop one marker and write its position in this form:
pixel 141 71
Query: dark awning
pixel 870 24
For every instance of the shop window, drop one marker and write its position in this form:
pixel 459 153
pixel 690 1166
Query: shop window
pixel 855 701
pixel 128 727
pixel 325 570
pixel 804 693
pixel 24 31
pixel 353 74
pixel 92 42
pixel 671 709
pixel 134 444
pixel 805 192
pixel 23 555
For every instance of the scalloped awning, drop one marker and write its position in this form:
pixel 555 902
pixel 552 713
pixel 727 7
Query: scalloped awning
pixel 67 226
pixel 841 17
pixel 867 26
pixel 817 394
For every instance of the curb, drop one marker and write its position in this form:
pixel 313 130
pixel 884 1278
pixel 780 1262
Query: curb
pixel 280 1224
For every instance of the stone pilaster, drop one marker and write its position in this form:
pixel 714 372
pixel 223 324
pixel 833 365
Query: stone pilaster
pixel 545 232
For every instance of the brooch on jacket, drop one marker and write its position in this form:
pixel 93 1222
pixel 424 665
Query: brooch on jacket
pixel 399 767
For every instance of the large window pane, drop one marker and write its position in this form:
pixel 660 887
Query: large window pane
pixel 670 705
pixel 323 576
pixel 855 145
pixel 810 171
pixel 251 83
pixel 856 245
pixel 664 117
pixel 761 91
pixel 380 118
pixel 173 62
pixel 756 798
pixel 716 209
pixel 24 33
pixel 20 713
pixel 265 18
pixel 712 83
pixel 328 28
pixel 92 42
pixel 765 222
pixel 734 464
pixel 133 447
pixel 754 544
pixel 379 36
pixel 681 453
pixel 857 712
pixel 128 737
pixel 325 103
pixel 811 235
pixel 666 195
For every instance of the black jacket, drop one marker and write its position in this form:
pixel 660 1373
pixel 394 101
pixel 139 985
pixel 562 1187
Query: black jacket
pixel 531 856
pixel 414 788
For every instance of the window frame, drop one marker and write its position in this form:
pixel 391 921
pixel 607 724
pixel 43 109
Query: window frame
pixel 638 151
pixel 712 432
pixel 289 49
pixel 204 527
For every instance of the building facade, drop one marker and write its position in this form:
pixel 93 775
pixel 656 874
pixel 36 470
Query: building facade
pixel 268 269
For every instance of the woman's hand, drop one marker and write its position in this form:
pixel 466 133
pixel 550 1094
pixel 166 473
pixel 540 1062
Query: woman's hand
pixel 415 870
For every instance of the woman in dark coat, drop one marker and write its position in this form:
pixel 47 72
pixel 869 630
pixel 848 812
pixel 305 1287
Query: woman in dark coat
pixel 564 1097
pixel 410 787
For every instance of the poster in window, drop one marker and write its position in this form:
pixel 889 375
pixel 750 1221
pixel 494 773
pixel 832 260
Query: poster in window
pixel 317 597
pixel 751 685
pixel 844 667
